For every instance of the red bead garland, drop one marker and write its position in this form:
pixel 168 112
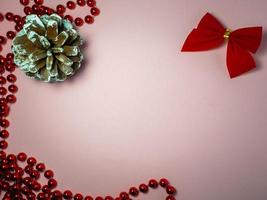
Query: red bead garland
pixel 23 183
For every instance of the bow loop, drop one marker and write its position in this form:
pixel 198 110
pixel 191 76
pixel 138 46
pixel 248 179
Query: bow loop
pixel 248 38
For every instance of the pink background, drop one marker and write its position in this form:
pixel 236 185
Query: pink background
pixel 139 108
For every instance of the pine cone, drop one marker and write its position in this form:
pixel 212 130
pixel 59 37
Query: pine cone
pixel 47 48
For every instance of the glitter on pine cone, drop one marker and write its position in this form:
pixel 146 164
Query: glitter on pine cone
pixel 47 48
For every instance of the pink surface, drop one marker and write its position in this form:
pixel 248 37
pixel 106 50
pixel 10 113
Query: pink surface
pixel 139 108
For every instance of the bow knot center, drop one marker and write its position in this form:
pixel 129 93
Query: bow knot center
pixel 227 33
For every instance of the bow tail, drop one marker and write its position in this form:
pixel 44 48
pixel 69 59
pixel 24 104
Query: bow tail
pixel 239 60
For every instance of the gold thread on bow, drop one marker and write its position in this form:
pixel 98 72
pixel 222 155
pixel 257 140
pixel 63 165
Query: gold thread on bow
pixel 227 34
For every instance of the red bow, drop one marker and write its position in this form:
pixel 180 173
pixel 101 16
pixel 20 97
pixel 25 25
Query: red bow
pixel 210 34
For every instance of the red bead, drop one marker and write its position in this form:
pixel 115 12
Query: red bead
pixel 11 98
pixel 10 34
pixel 95 11
pixel 2 69
pixel 91 3
pixel 28 169
pixel 2 60
pixel 2 40
pixel 13 88
pixel 11 67
pixel 133 191
pixel 143 188
pixel 50 11
pixel 16 18
pixel 163 182
pixel 67 195
pixel 22 157
pixel 46 10
pixel 79 21
pixel 49 174
pixel 3 91
pixel 170 189
pixel 89 19
pixel 40 167
pixel 26 180
pixel 23 19
pixel 18 28
pixel 10 56
pixel 124 195
pixel 81 2
pixel 41 10
pixel 18 175
pixel 11 159
pixel 39 2
pixel 37 186
pixel 31 196
pixel 4 111
pixel 56 194
pixel 1 17
pixel 99 198
pixel 153 183
pixel 20 23
pixel 1 48
pixel 6 186
pixel 170 197
pixel 3 101
pixel 2 155
pixel 11 78
pixel 41 196
pixel 8 61
pixel 35 8
pixel 68 17
pixel 61 9
pixel 25 190
pixel 4 123
pixel 2 80
pixel 35 174
pixel 71 5
pixel 3 144
pixel 88 198
pixel 46 189
pixel 52 183
pixel 25 2
pixel 31 161
pixel 4 134
pixel 28 10
pixel 9 16
pixel 78 197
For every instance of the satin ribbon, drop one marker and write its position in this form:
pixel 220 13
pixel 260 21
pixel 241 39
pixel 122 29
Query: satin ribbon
pixel 210 33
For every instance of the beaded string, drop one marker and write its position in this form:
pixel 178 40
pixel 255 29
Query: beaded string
pixel 21 183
